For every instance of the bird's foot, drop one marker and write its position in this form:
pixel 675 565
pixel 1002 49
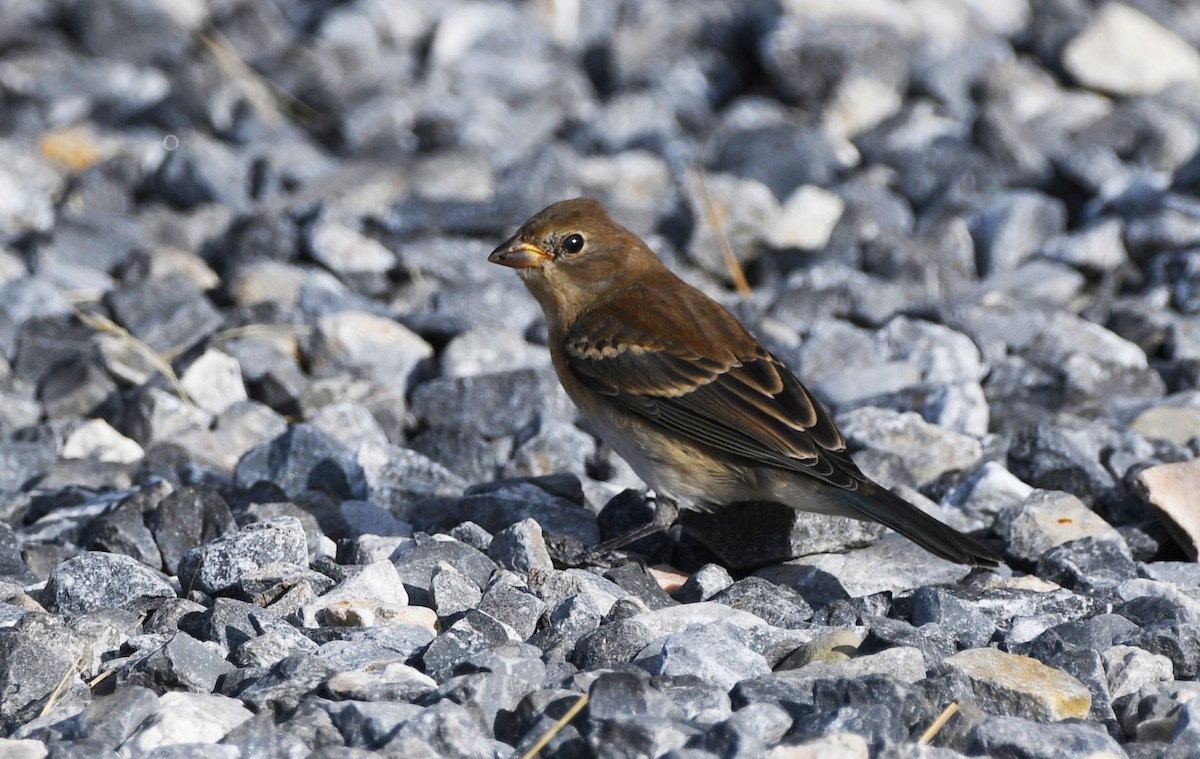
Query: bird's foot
pixel 571 553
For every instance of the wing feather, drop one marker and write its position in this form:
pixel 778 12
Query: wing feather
pixel 696 372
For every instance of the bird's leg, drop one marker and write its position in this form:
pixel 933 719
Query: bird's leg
pixel 665 512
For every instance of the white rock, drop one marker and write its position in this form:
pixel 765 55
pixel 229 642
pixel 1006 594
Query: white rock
pixel 12 267
pixel 807 220
pixel 1128 668
pixel 171 261
pixel 859 104
pixel 247 425
pixel 909 566
pixel 96 439
pixel 1123 51
pixel 835 746
pixel 1066 333
pixel 990 491
pixel 928 450
pixel 490 349
pixel 345 251
pixel 188 718
pixel 350 424
pixel 376 347
pixel 1099 247
pixel 214 381
pixel 377 585
pixel 278 282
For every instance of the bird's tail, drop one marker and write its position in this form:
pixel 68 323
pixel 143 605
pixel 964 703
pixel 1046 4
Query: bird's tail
pixel 881 505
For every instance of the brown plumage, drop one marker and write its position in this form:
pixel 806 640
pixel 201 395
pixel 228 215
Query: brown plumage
pixel 678 387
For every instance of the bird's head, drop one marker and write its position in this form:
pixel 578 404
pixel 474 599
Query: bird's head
pixel 570 253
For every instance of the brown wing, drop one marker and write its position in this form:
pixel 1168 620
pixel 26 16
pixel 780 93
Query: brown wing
pixel 690 367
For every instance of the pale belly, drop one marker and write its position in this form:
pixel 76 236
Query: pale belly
pixel 672 466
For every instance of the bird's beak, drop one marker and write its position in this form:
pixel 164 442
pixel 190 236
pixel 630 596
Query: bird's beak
pixel 519 255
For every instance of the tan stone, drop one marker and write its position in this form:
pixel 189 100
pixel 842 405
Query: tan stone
pixel 1020 686
pixel 1173 491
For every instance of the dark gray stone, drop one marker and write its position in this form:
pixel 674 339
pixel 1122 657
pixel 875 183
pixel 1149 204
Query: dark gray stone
pixel 1024 739
pixel 35 654
pixel 169 315
pixel 187 518
pixel 181 663
pixel 1087 565
pixel 778 605
pixel 292 460
pixel 416 565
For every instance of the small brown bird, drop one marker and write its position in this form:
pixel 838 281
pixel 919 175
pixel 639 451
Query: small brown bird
pixel 674 383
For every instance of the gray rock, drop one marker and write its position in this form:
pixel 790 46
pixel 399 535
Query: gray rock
pixel 777 605
pixel 1059 459
pixel 509 601
pixel 181 663
pixel 473 632
pixel 1176 641
pixel 370 346
pixel 185 719
pixel 397 478
pixel 1030 740
pixel 1051 518
pixel 488 349
pixel 169 315
pixel 416 564
pixel 703 584
pixel 500 403
pixel 555 447
pixel 37 651
pixel 188 517
pixel 1129 669
pixel 1096 249
pixel 246 425
pixel 928 451
pixel 513 502
pixel 857 573
pixel 521 548
pixel 366 518
pixel 987 493
pixel 224 561
pixel 390 682
pixel 744 208
pixel 291 460
pixel 452 592
pixel 1087 565
pixel 754 533
pixel 92 581
pixel 1013 227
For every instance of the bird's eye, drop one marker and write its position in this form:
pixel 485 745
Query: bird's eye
pixel 573 243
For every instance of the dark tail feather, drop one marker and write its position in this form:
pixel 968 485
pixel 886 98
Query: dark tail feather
pixel 882 505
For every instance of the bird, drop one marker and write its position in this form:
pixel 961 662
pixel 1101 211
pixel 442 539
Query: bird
pixel 704 414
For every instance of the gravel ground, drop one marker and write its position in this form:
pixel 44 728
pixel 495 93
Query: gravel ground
pixel 284 470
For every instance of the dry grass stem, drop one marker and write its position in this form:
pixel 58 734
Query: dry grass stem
pixel 160 362
pixel 553 731
pixel 62 684
pixel 736 274
pixel 932 731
